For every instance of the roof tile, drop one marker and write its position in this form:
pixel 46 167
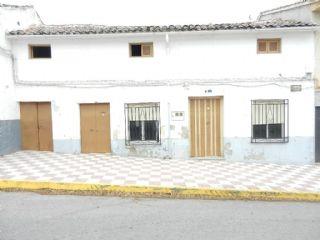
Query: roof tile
pixel 104 29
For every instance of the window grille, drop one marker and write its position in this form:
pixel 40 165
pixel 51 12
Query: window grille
pixel 270 121
pixel 142 123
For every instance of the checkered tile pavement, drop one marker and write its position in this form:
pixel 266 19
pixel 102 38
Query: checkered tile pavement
pixel 137 171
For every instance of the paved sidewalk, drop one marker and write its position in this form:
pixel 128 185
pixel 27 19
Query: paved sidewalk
pixel 151 172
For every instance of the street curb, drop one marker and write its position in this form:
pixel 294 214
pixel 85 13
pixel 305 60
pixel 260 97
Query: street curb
pixel 141 191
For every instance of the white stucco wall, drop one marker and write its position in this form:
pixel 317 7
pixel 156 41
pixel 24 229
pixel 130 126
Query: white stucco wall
pixel 303 12
pixel 236 118
pixel 11 18
pixel 186 56
pixel 225 63
pixel 237 105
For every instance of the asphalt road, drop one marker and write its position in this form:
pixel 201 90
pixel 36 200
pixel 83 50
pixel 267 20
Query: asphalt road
pixel 31 216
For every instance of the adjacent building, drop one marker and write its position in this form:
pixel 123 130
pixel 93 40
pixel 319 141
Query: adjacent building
pixel 239 92
pixel 11 17
pixel 307 11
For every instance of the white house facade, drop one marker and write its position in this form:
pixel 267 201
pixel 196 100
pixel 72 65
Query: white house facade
pixel 239 92
pixel 11 17
pixel 306 11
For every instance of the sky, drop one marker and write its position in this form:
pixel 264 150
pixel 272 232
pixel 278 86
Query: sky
pixel 148 12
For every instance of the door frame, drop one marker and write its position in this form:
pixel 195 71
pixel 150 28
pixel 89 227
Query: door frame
pixel 221 125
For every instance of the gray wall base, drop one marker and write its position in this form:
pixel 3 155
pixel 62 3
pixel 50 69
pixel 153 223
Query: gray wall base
pixel 67 145
pixel 10 140
pixel 299 150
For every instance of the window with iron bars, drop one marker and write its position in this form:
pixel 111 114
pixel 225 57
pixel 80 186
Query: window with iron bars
pixel 142 123
pixel 270 121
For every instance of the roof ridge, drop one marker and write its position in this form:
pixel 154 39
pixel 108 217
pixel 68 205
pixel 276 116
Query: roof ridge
pixel 166 25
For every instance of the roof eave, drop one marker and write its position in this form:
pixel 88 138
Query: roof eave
pixel 287 29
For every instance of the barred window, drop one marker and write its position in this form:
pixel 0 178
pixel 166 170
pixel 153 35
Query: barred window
pixel 142 123
pixel 269 121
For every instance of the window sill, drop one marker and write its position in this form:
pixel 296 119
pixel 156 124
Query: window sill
pixel 137 143
pixel 276 140
pixel 268 53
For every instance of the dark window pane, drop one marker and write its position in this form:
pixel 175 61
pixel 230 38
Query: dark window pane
pixel 259 131
pixel 275 130
pixel 151 130
pixel 135 131
pixel 41 51
pixel 136 50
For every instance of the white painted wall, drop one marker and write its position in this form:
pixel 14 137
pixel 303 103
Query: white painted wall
pixel 190 56
pixel 302 12
pixel 236 115
pixel 237 105
pixel 11 18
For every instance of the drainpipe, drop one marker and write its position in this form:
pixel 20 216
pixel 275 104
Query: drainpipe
pixel 169 148
pixel 169 155
pixel 167 44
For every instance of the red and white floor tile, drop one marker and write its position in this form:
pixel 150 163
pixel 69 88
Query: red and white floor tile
pixel 138 171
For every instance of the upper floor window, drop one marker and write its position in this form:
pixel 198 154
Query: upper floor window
pixel 269 45
pixel 269 120
pixel 39 51
pixel 141 49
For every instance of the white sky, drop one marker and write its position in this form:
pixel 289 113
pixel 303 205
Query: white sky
pixel 147 12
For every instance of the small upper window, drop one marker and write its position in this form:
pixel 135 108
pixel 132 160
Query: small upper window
pixel 40 51
pixel 141 49
pixel 269 46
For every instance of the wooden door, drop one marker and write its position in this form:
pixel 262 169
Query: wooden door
pixel 45 127
pixel 102 128
pixel 29 126
pixel 95 128
pixel 205 127
pixel 36 126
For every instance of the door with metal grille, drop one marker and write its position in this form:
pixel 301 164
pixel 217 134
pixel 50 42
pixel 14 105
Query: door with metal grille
pixel 205 126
